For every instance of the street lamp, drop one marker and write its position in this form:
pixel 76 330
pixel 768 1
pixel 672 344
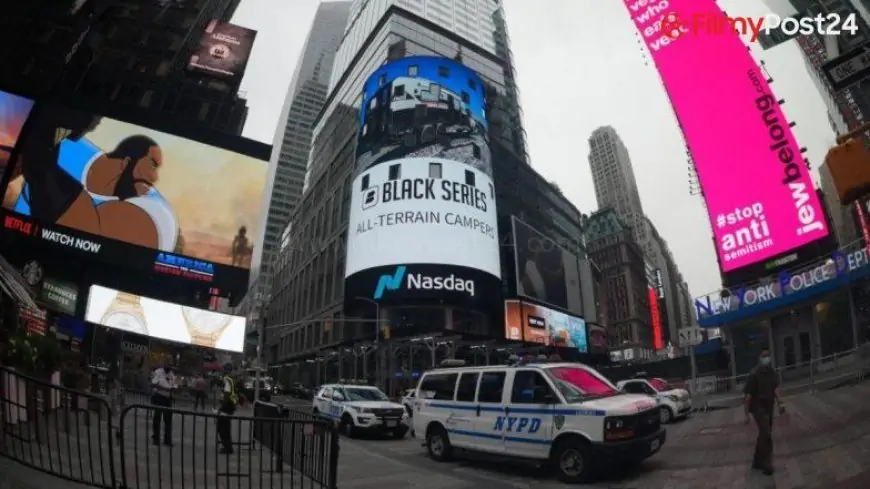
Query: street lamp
pixel 377 315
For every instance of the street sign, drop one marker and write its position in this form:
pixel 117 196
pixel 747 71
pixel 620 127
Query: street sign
pixel 849 68
pixel 690 336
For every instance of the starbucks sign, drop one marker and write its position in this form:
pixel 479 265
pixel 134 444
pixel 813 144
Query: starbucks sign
pixel 60 296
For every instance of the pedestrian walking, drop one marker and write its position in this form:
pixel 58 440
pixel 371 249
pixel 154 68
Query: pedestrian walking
pixel 760 394
pixel 162 385
pixel 200 392
pixel 229 400
pixel 116 400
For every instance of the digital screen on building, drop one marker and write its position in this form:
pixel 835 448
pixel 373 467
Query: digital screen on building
pixel 223 50
pixel 422 195
pixel 759 193
pixel 149 317
pixel 126 194
pixel 533 323
pixel 13 112
pixel 546 272
pixel 656 319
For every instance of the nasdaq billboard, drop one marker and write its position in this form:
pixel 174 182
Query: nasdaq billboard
pixel 423 196
pixel 759 193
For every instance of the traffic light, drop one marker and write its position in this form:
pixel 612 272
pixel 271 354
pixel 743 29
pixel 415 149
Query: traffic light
pixel 849 165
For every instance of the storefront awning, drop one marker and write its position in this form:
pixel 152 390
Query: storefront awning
pixel 13 285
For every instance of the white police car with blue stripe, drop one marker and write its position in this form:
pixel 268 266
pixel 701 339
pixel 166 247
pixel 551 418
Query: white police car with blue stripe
pixel 356 409
pixel 566 414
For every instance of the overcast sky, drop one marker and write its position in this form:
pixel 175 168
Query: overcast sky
pixel 579 66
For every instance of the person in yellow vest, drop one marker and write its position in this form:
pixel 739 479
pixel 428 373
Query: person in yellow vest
pixel 229 400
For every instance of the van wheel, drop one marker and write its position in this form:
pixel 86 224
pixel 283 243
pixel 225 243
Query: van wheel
pixel 438 444
pixel 666 415
pixel 347 427
pixel 572 461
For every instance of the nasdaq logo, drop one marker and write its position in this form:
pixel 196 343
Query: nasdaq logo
pixel 184 267
pixel 390 282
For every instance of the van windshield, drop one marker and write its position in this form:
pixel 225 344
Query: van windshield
pixel 359 394
pixel 578 384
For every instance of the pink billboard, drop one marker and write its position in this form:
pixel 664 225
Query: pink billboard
pixel 759 193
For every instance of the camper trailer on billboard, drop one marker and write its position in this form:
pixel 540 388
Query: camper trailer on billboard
pixel 412 111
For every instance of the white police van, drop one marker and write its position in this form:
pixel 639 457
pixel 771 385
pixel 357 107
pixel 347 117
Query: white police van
pixel 566 414
pixel 359 408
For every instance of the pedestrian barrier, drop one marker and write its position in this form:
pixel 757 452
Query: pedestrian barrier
pixel 79 437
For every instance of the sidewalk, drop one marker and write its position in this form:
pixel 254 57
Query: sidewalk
pixel 823 442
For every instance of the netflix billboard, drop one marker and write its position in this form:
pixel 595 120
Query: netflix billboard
pixel 223 50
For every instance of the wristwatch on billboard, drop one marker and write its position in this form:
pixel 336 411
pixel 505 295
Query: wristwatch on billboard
pixel 125 312
pixel 205 327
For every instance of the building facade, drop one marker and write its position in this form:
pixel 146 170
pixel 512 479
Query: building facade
pixel 131 54
pixel 292 144
pixel 308 283
pixel 625 300
pixel 616 188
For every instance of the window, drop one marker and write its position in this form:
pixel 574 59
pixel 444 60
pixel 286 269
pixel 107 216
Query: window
pixel 635 388
pixel 659 385
pixel 438 386
pixel 434 170
pixel 399 91
pixel 467 387
pixel 491 387
pixel 394 172
pixel 365 182
pixel 469 178
pixel 530 387
pixel 326 393
pixel 465 97
pixel 472 84
pixel 578 383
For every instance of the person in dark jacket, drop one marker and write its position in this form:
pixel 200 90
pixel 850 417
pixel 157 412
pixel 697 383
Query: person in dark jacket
pixel 760 394
pixel 229 401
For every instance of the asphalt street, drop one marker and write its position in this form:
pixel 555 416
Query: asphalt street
pixel 822 442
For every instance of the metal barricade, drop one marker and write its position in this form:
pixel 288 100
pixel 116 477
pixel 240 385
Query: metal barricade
pixel 56 430
pixel 268 450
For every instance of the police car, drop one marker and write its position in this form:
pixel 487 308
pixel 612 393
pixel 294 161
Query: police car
pixel 674 403
pixel 358 408
pixel 566 414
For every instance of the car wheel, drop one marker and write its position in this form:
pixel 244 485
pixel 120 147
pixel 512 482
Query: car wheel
pixel 666 415
pixel 347 427
pixel 438 444
pixel 572 461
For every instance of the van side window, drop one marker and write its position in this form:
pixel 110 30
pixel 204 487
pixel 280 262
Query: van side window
pixel 530 387
pixel 438 386
pixel 467 386
pixel 491 387
pixel 327 393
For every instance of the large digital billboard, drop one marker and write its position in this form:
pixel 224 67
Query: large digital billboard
pixel 149 317
pixel 759 192
pixel 134 196
pixel 546 272
pixel 13 112
pixel 533 323
pixel 422 195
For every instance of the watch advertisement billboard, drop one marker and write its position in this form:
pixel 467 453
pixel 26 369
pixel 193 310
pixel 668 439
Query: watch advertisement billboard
pixel 13 112
pixel 423 195
pixel 533 323
pixel 759 193
pixel 158 319
pixel 133 196
pixel 546 272
pixel 223 50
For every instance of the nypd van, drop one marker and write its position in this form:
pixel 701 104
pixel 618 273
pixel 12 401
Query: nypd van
pixel 357 409
pixel 565 414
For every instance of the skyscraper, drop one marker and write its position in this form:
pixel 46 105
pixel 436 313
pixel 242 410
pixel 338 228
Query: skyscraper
pixel 292 143
pixel 308 287
pixel 616 188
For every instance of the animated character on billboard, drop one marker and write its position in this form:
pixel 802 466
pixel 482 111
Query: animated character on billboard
pixel 69 181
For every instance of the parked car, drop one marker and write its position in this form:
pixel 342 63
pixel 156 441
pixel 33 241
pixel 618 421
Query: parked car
pixel 674 402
